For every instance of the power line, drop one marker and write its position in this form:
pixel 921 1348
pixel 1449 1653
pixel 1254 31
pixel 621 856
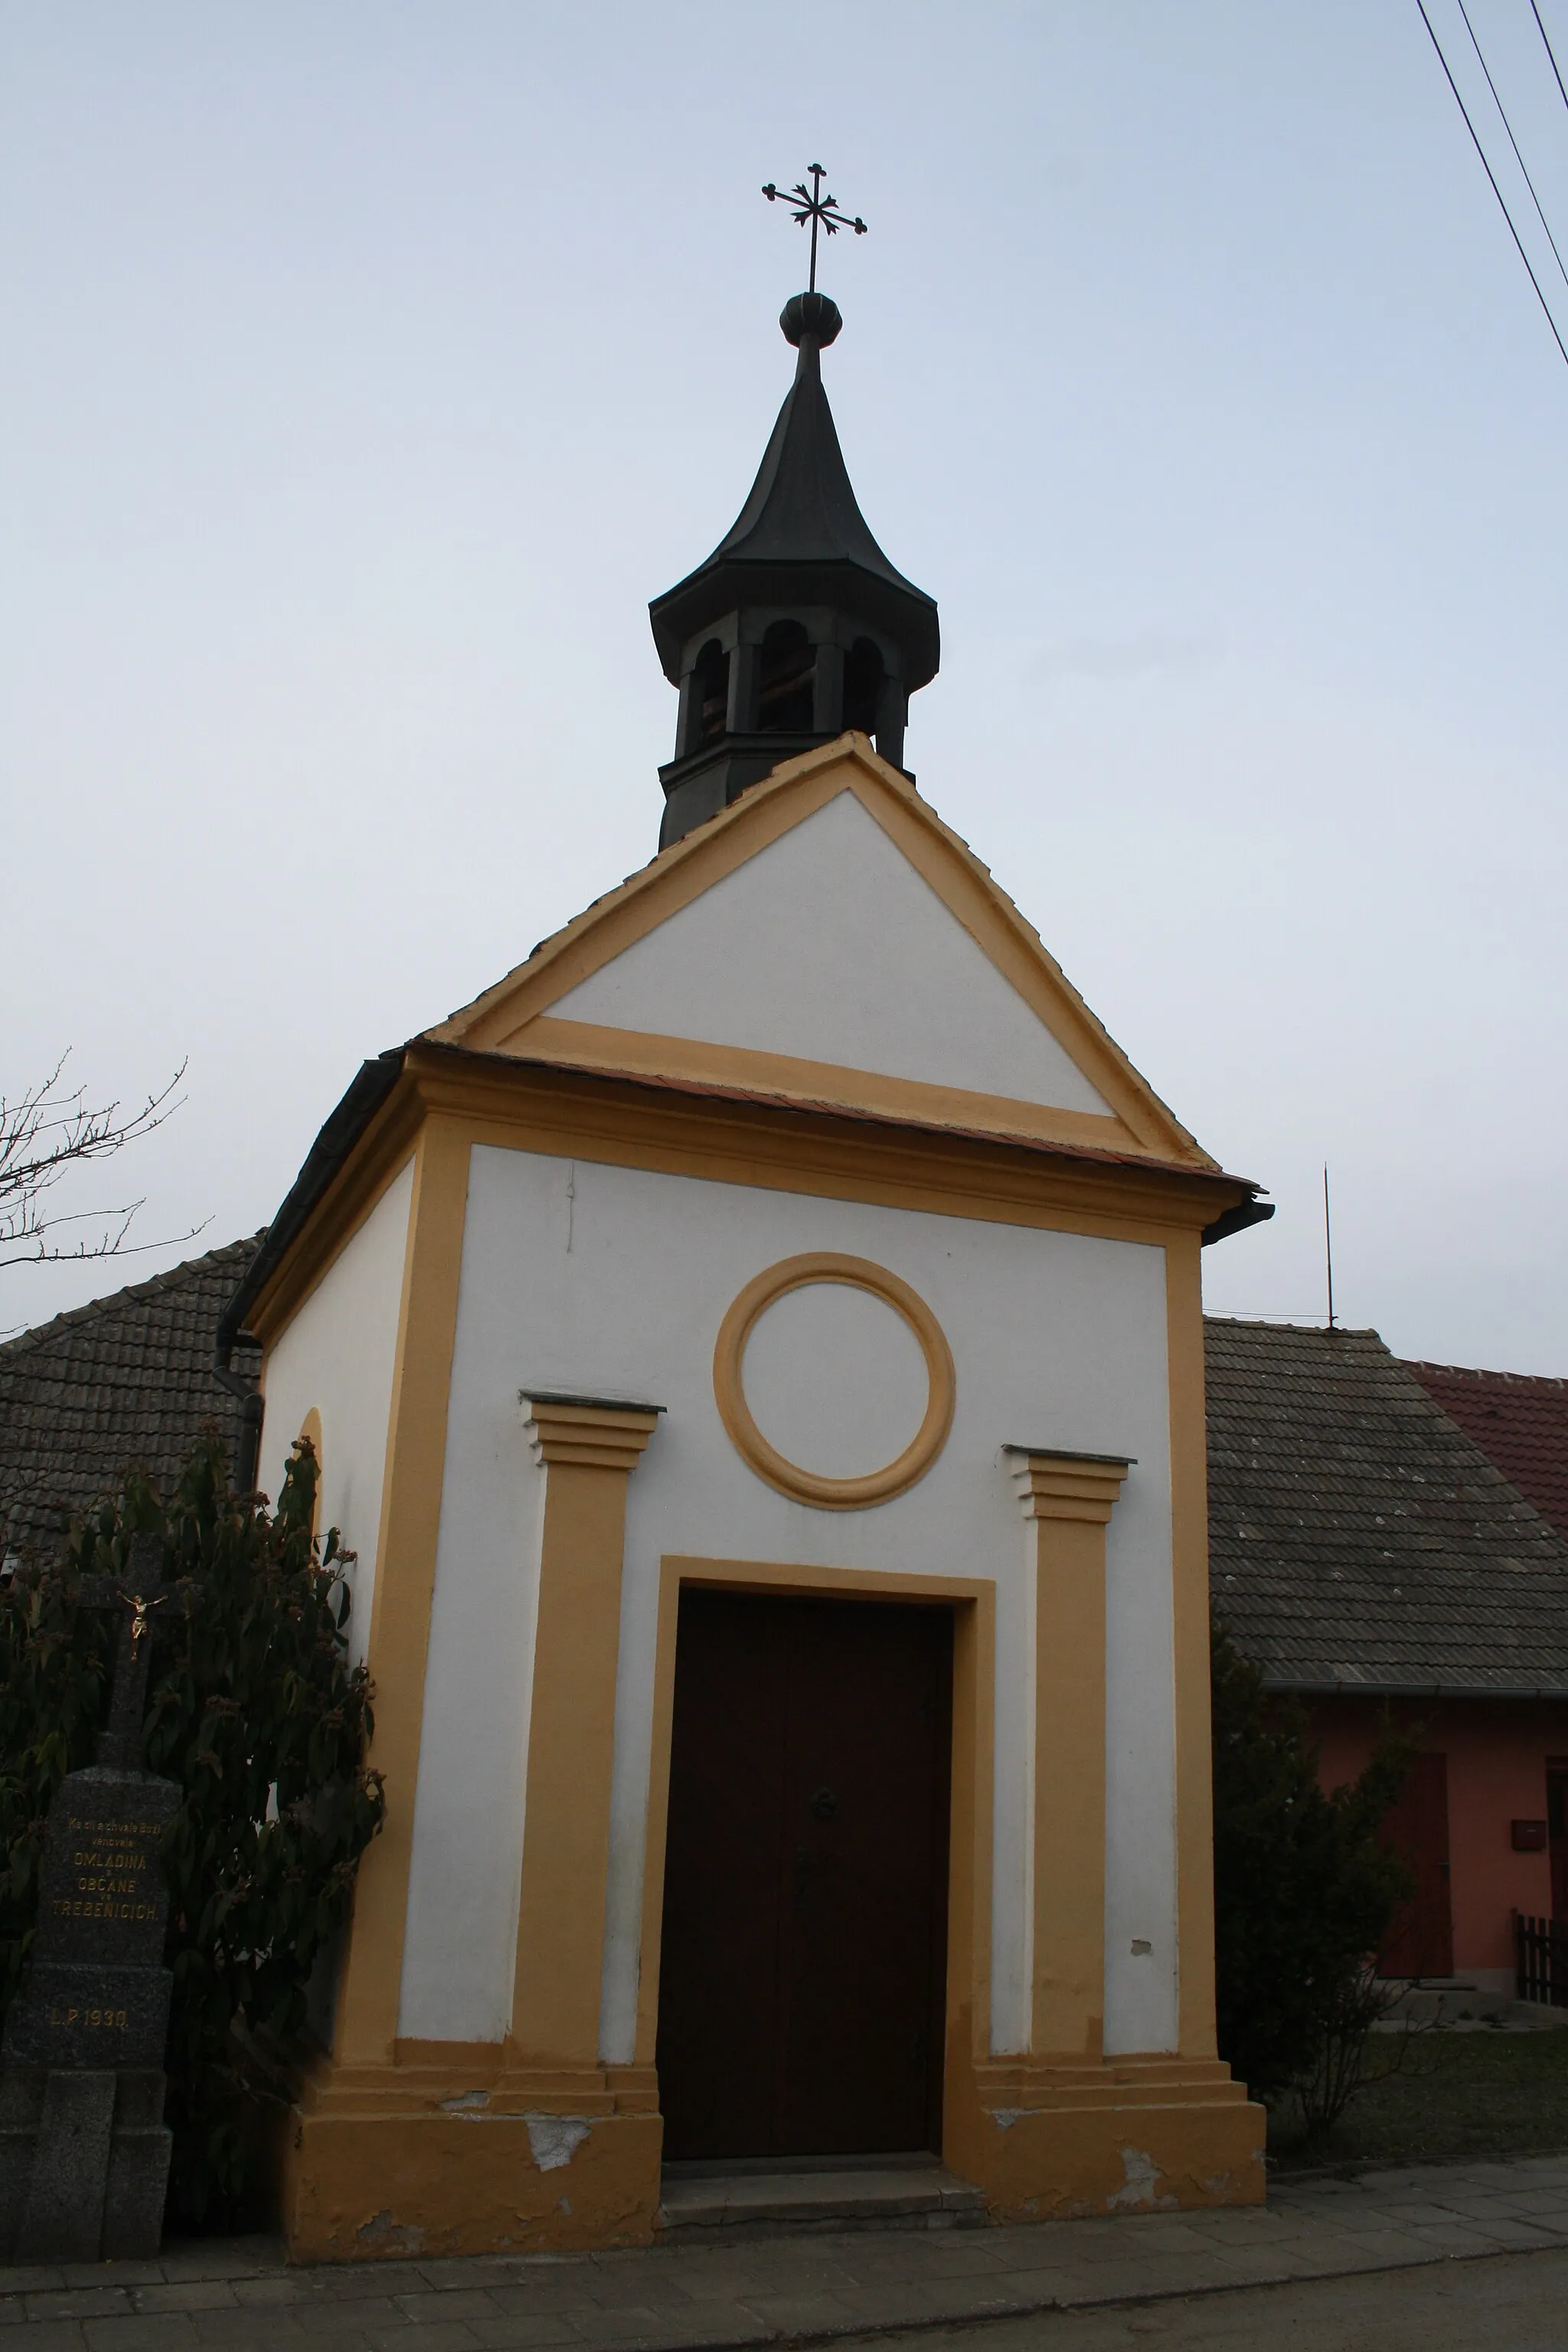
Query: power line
pixel 1550 51
pixel 1502 202
pixel 1513 142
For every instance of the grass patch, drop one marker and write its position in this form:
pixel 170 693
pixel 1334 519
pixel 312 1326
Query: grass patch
pixel 1454 2095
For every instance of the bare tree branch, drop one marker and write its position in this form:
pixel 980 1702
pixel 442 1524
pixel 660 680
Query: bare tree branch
pixel 45 1133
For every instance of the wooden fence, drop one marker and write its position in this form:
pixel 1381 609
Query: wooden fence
pixel 1541 1959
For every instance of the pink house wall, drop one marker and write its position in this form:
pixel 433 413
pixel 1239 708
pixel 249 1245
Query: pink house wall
pixel 1497 1752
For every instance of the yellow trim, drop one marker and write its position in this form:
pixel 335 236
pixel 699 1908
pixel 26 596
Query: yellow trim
pixel 974 1604
pixel 1111 2136
pixel 589 1452
pixel 409 2179
pixel 1068 1504
pixel 1190 1644
pixel 380 1157
pixel 520 1106
pixel 972 1847
pixel 425 2073
pixel 587 1436
pixel 310 1435
pixel 428 2150
pixel 643 1053
pixel 498 1021
pixel 369 1986
pixel 432 2150
pixel 729 1385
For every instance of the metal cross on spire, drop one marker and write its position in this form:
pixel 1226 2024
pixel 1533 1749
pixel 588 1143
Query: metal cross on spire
pixel 810 205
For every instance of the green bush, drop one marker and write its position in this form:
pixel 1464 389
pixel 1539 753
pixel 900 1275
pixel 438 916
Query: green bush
pixel 256 1712
pixel 1305 1892
pixel 55 1668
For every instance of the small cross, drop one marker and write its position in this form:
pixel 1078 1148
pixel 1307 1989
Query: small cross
pixel 120 1743
pixel 810 205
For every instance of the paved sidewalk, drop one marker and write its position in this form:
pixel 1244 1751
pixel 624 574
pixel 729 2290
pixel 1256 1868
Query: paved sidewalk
pixel 1515 2302
pixel 240 2295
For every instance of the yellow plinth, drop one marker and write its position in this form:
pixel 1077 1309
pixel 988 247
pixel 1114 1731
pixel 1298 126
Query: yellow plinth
pixel 1053 2142
pixel 451 2154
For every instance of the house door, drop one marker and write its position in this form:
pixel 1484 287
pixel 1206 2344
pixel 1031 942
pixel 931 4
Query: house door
pixel 801 1975
pixel 1421 1941
pixel 1557 1832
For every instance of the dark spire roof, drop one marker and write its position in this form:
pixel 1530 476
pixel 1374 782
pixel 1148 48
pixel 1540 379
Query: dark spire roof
pixel 801 537
pixel 803 508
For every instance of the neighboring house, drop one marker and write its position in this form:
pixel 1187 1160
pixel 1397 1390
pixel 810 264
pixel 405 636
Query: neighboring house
pixel 125 1380
pixel 1368 1556
pixel 1521 1421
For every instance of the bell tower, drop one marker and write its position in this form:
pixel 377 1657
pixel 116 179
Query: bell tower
pixel 797 627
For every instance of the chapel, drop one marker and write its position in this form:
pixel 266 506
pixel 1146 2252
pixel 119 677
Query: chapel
pixel 755 1352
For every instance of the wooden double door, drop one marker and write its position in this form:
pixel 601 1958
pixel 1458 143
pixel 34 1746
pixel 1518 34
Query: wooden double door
pixel 801 1975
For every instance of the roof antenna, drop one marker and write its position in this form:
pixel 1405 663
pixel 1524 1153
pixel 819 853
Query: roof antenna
pixel 1329 1249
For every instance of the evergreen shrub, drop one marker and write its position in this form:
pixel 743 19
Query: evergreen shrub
pixel 256 1711
pixel 1305 1892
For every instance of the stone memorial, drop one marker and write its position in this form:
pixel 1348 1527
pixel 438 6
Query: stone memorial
pixel 84 2150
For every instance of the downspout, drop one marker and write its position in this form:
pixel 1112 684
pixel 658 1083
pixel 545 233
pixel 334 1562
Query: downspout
pixel 252 1406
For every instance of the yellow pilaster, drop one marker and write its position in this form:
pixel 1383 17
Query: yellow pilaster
pixel 1060 2128
pixel 401 2146
pixel 1190 1628
pixel 369 1989
pixel 589 1449
pixel 1068 1500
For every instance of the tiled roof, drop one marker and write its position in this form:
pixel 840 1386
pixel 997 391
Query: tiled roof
pixel 124 1380
pixel 1358 1536
pixel 1520 1423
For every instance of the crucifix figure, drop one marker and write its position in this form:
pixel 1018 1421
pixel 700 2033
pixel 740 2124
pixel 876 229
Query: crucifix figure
pixel 120 1743
pixel 810 205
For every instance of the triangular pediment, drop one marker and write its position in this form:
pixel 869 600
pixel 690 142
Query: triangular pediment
pixel 828 939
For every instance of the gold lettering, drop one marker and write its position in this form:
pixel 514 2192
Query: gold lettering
pixel 121 1829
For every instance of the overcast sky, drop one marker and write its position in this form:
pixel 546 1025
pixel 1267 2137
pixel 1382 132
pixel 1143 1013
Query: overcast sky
pixel 366 368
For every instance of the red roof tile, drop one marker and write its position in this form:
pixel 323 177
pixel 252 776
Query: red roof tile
pixel 1520 1423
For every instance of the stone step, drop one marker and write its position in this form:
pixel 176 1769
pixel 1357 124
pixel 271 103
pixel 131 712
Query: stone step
pixel 719 2205
pixel 1450 2001
pixel 1537 2014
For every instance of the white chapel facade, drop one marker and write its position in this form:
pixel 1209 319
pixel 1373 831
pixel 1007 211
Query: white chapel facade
pixel 755 1353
